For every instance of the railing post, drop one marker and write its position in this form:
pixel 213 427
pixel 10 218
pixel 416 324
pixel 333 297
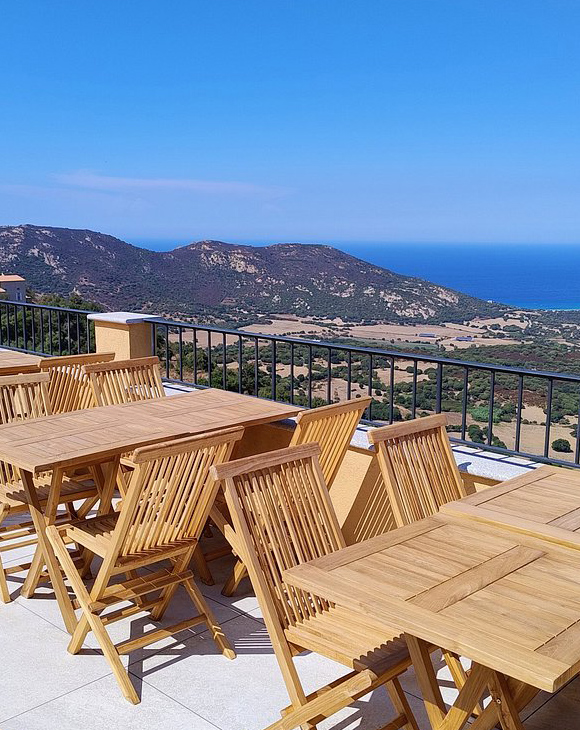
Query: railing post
pixel 126 334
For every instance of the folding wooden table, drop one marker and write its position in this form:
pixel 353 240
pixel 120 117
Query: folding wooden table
pixel 545 503
pixel 508 601
pixel 96 438
pixel 13 362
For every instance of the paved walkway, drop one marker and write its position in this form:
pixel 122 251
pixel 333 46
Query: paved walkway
pixel 185 684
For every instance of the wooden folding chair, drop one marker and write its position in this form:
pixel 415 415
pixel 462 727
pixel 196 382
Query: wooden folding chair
pixel 282 516
pixel 24 397
pixel 162 517
pixel 125 381
pixel 69 388
pixel 420 474
pixel 418 468
pixel 332 428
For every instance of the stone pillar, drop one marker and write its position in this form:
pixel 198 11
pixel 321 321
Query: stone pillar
pixel 126 334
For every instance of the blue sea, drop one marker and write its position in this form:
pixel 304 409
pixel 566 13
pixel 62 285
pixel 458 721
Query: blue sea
pixel 539 276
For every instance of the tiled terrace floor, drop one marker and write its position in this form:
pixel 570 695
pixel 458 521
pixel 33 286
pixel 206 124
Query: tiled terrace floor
pixel 185 684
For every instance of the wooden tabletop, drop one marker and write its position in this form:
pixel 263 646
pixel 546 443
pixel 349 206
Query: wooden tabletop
pixel 68 438
pixel 545 503
pixel 507 601
pixel 13 362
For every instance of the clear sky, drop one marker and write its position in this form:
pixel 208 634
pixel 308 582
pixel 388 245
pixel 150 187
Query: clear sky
pixel 293 120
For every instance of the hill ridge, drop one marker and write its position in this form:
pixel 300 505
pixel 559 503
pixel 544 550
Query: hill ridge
pixel 210 275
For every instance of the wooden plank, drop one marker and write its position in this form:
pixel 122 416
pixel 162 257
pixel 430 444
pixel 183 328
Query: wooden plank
pixel 460 586
pixel 105 431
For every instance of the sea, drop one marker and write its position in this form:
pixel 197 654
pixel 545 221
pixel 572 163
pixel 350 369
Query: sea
pixel 535 276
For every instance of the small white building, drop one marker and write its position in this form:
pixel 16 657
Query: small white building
pixel 12 287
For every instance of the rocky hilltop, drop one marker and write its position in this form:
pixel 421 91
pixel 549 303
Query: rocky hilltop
pixel 211 275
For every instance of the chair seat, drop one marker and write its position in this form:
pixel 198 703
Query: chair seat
pixel 95 533
pixel 352 640
pixel 14 495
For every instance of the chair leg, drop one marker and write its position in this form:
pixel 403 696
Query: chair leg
pixel 33 577
pixel 109 650
pixel 237 575
pixel 215 629
pixel 401 704
pixel 4 592
pixel 201 567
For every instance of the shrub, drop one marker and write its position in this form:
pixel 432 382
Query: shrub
pixel 562 445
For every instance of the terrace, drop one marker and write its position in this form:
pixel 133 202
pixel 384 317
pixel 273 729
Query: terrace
pixel 185 681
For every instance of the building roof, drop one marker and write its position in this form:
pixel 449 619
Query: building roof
pixel 11 277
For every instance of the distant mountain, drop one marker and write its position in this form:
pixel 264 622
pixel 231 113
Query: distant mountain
pixel 284 278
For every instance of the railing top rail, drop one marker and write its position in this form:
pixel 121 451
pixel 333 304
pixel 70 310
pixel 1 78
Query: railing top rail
pixel 413 356
pixel 47 306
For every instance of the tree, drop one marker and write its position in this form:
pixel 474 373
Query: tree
pixel 562 445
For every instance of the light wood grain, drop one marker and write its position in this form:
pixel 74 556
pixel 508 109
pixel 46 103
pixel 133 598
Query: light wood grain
pixel 161 518
pixel 69 388
pixel 544 502
pixel 282 516
pixel 418 468
pixel 467 612
pixel 13 362
pixel 99 433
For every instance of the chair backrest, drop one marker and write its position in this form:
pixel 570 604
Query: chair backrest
pixel 332 427
pixel 418 467
pixel 22 397
pixel 282 516
pixel 69 388
pixel 171 493
pixel 125 381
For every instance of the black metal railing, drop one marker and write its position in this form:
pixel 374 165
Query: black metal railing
pixel 505 409
pixel 45 330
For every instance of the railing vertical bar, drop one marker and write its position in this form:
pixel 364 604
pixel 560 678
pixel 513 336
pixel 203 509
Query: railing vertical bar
pixel 1 325
pixel 59 327
pixel 195 356
pixel 464 402
pixel 256 358
pixel 392 391
pixel 240 358
pixel 414 393
pixel 167 372
pixel 224 364
pixel 50 330
pixel 78 335
pixel 209 358
pixel 274 370
pixel 519 412
pixel 349 376
pixel 167 351
pixel 68 339
pixel 180 345
pixel 33 327
pixel 292 373
pixel 329 376
pixel 491 404
pixel 41 327
pixel 439 388
pixel 309 376
pixel 370 389
pixel 548 417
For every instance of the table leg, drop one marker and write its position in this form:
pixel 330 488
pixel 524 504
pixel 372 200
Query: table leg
pixel 508 696
pixel 41 520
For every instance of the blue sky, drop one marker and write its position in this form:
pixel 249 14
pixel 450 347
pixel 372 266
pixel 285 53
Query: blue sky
pixel 293 120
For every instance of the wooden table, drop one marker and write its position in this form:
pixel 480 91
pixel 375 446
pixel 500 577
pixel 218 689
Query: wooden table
pixel 13 362
pixel 508 601
pixel 97 437
pixel 545 503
